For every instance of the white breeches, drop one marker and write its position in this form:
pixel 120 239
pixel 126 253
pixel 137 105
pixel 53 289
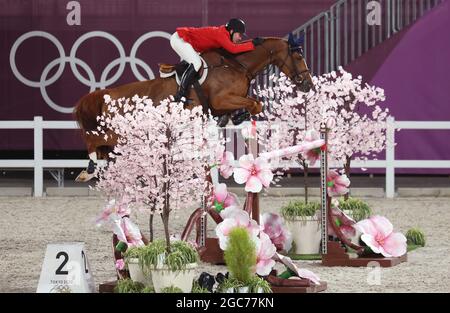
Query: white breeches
pixel 185 51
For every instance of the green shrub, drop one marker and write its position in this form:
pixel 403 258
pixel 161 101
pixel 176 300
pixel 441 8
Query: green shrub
pixel 300 209
pixel 358 209
pixel 197 289
pixel 171 289
pixel 416 237
pixel 148 290
pixel 181 254
pixel 132 253
pixel 229 283
pixel 128 286
pixel 240 255
pixel 258 282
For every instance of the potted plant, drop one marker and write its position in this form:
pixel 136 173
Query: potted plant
pixel 169 268
pixel 131 257
pixel 355 208
pixel 303 222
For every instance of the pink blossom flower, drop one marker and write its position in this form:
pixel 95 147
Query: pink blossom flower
pixel 330 122
pixel 254 173
pixel 223 198
pixel 231 211
pixel 344 222
pixel 377 233
pixel 307 274
pixel 126 231
pixel 225 159
pixel 249 130
pixel 312 152
pixel 272 225
pixel 301 273
pixel 120 264
pixel 265 250
pixel 337 185
pixel 113 206
pixel 234 217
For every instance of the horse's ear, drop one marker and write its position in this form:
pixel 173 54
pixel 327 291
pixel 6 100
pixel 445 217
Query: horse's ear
pixel 291 40
pixel 300 41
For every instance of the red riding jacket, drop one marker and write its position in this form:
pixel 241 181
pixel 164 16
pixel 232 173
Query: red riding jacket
pixel 207 38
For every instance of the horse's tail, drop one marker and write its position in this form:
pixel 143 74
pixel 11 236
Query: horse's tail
pixel 88 108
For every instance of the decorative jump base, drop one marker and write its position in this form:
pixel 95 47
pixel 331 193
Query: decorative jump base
pixel 310 289
pixel 107 287
pixel 211 252
pixel 280 285
pixel 337 256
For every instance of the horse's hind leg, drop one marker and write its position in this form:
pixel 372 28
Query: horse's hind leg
pixel 89 172
pixel 97 148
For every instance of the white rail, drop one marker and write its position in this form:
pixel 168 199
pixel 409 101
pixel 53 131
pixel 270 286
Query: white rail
pixel 38 164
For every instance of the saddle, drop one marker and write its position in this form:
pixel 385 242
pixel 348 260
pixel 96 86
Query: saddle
pixel 171 69
pixel 168 70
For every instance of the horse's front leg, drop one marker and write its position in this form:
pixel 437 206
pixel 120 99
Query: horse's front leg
pixel 232 103
pixel 257 106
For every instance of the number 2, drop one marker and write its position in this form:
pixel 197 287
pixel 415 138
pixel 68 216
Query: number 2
pixel 59 270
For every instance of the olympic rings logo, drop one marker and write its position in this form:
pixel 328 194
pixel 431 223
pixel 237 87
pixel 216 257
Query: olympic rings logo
pixel 74 62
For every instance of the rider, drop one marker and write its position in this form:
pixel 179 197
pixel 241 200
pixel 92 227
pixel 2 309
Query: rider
pixel 189 42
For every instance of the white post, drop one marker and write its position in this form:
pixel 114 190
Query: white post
pixel 390 158
pixel 323 191
pixel 38 147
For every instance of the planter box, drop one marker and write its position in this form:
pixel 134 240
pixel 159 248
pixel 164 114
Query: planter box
pixel 136 273
pixel 306 234
pixel 183 279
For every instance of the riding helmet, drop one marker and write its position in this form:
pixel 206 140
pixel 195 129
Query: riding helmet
pixel 236 25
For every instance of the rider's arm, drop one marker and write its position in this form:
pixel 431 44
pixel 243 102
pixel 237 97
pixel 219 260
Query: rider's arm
pixel 232 47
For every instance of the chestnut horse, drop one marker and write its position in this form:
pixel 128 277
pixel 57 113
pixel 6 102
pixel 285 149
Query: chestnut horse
pixel 226 89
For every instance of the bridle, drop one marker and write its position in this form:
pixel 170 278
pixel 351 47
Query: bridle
pixel 298 75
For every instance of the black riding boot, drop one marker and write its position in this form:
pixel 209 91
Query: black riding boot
pixel 237 117
pixel 186 80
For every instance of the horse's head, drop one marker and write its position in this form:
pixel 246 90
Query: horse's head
pixel 291 62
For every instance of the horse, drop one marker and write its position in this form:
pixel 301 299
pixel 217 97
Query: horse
pixel 225 88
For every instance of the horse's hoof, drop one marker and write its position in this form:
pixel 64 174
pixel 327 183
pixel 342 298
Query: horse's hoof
pixel 91 167
pixel 222 121
pixel 240 117
pixel 84 176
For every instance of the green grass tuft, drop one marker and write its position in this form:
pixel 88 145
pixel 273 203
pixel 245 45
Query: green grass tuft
pixel 359 210
pixel 415 236
pixel 171 289
pixel 128 286
pixel 299 208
